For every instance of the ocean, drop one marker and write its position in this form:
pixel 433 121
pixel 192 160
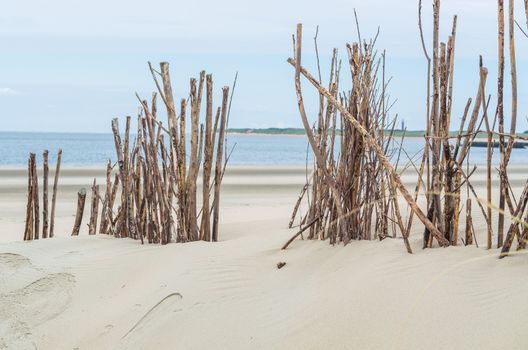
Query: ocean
pixel 90 149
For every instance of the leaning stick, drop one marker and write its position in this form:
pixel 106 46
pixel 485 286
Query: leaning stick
pixel 81 197
pixel 374 145
pixel 299 233
pixel 45 196
pixel 54 195
pixel 298 203
pixel 514 227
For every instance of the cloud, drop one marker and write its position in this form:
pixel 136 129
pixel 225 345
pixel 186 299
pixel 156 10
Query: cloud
pixel 9 92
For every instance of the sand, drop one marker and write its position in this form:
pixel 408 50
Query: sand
pixel 104 293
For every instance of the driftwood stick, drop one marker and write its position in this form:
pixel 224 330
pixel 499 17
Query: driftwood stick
pixel 94 213
pixel 36 211
pixel 218 167
pixel 516 219
pixel 500 116
pixel 81 198
pixel 54 195
pixel 28 232
pixel 298 203
pixel 469 223
pixel 104 221
pixel 45 213
pixel 205 227
pixel 307 226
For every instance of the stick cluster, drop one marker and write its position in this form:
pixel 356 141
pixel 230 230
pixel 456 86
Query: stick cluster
pixel 32 227
pixel 353 192
pixel 158 172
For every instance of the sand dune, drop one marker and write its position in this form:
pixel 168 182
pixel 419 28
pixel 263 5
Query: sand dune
pixel 105 293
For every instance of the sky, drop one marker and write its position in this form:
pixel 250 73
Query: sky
pixel 71 66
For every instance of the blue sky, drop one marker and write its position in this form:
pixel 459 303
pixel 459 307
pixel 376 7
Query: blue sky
pixel 69 65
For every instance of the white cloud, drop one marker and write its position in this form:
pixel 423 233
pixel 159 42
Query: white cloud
pixel 9 92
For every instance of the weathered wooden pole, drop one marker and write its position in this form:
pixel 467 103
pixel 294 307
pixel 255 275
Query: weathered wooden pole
pixel 205 227
pixel 121 225
pixel 54 195
pixel 218 168
pixel 193 158
pixel 45 213
pixel 81 198
pixel 36 210
pixel 500 117
pixel 104 218
pixel 94 213
pixel 28 232
pixel 469 223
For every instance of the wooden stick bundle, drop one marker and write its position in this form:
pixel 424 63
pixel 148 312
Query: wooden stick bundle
pixel 448 157
pixel 158 186
pixel 350 193
pixel 32 224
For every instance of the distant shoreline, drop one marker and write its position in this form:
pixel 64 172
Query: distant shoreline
pixel 259 132
pixel 301 132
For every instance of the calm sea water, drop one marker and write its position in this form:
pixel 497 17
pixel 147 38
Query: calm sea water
pixel 94 149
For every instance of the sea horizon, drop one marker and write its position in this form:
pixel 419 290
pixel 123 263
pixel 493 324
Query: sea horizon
pixel 94 149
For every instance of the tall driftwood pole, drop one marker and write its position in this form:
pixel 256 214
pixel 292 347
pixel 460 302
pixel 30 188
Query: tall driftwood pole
pixel 81 198
pixel 36 210
pixel 193 158
pixel 45 213
pixel 28 232
pixel 500 117
pixel 205 227
pixel 54 195
pixel 218 168
pixel 435 120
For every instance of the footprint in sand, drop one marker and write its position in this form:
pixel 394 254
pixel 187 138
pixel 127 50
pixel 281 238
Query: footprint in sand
pixel 36 298
pixel 16 271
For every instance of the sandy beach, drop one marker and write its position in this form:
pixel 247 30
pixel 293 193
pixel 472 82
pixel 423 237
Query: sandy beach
pixel 276 175
pixel 98 292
